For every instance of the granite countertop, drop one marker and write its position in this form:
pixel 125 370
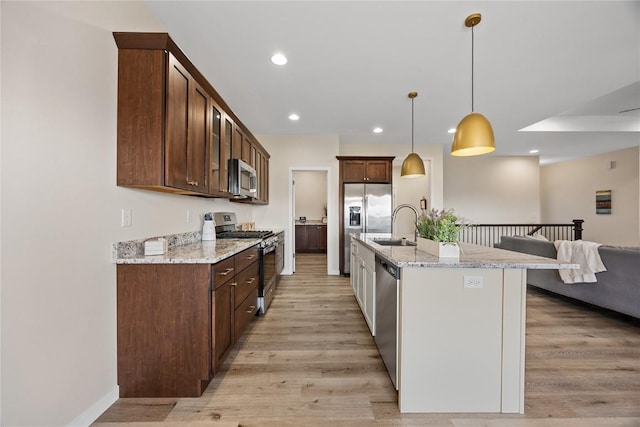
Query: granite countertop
pixel 471 256
pixel 186 248
pixel 311 222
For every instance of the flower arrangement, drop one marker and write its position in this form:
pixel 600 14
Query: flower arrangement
pixel 439 226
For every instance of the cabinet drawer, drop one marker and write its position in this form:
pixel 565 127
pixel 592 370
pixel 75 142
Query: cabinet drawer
pixel 246 281
pixel 245 258
pixel 367 256
pixel 245 312
pixel 268 295
pixel 223 272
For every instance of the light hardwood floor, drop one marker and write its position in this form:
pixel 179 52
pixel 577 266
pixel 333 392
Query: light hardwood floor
pixel 312 362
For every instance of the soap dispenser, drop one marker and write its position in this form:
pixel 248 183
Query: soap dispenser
pixel 209 227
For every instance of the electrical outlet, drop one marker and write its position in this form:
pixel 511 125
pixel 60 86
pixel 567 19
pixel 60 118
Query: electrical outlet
pixel 473 282
pixel 125 219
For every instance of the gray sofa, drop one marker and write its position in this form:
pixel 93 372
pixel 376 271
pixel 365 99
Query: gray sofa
pixel 617 289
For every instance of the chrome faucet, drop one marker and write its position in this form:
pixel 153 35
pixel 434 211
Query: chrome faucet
pixel 415 211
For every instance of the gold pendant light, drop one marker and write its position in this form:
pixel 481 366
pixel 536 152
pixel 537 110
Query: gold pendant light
pixel 474 135
pixel 413 166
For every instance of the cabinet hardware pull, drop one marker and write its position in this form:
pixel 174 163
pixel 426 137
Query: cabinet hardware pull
pixel 251 257
pixel 251 309
pixel 227 271
pixel 250 281
pixel 234 283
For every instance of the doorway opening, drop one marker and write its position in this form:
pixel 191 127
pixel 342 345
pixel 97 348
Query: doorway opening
pixel 308 219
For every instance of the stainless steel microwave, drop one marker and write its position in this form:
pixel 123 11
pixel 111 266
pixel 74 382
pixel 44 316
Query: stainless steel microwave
pixel 243 181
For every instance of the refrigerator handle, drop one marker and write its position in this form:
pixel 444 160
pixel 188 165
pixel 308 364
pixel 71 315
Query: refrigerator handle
pixel 365 205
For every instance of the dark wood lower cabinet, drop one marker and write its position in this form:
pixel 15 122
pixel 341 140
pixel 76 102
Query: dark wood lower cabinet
pixel 311 238
pixel 177 322
pixel 222 324
pixel 164 329
pixel 279 260
pixel 245 313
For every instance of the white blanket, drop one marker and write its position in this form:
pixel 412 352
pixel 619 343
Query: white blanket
pixel 583 253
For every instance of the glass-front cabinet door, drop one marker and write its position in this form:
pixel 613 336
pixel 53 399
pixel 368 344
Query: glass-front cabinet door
pixel 216 150
pixel 253 157
pixel 227 138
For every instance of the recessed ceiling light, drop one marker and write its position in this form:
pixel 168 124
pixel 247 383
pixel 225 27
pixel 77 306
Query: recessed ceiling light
pixel 377 130
pixel 452 130
pixel 279 59
pixel 534 151
pixel 294 116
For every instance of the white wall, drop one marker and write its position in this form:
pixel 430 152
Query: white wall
pixel 493 189
pixel 410 191
pixel 310 194
pixel 60 208
pixel 568 192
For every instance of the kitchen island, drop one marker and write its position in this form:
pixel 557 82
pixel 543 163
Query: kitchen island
pixel 460 326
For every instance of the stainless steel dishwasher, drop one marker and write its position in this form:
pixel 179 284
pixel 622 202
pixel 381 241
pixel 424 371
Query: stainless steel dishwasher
pixel 387 281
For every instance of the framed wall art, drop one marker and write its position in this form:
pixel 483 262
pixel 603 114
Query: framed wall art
pixel 603 202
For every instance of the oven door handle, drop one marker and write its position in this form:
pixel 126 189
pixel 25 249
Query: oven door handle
pixel 269 249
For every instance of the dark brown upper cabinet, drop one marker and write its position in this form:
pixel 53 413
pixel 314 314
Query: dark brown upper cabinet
pixel 365 169
pixel 187 128
pixel 175 133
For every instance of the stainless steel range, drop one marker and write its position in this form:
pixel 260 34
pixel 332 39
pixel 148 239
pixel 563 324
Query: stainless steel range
pixel 226 228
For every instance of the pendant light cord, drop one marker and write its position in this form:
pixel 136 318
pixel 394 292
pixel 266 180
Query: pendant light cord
pixel 412 125
pixel 472 69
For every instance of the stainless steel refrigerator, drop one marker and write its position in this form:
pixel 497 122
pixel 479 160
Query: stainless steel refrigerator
pixel 367 209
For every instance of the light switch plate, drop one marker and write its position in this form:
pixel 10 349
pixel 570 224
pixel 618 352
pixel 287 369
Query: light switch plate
pixel 126 215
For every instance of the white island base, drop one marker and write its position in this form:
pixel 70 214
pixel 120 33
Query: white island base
pixel 461 349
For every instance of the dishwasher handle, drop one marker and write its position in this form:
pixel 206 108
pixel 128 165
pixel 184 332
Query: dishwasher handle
pixel 388 267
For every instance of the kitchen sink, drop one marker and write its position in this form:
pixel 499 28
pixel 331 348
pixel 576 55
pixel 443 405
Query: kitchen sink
pixel 394 242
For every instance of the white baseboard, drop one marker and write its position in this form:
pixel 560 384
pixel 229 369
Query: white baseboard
pixel 94 411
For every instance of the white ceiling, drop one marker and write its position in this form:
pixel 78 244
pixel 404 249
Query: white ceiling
pixel 562 69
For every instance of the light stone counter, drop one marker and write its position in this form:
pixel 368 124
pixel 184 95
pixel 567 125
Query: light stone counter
pixel 471 256
pixel 311 222
pixel 184 248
